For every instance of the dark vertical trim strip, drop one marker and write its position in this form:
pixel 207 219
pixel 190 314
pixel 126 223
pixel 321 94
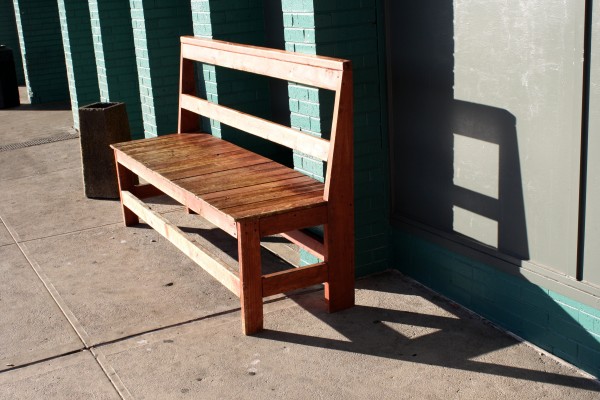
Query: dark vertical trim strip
pixel 585 121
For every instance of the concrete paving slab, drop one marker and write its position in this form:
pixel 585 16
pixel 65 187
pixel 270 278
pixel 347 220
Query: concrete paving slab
pixel 5 237
pixel 32 327
pixel 399 342
pixel 76 376
pixel 27 122
pixel 53 204
pixel 41 159
pixel 120 281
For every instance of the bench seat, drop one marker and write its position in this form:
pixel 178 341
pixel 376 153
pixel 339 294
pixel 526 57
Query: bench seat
pixel 236 182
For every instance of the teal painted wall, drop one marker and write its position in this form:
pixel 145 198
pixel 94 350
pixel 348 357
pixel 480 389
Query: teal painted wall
pixel 353 30
pixel 157 27
pixel 79 54
pixel 10 37
pixel 559 325
pixel 42 49
pixel 115 58
pixel 242 22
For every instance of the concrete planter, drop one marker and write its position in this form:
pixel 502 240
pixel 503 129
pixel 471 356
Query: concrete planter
pixel 100 125
pixel 9 90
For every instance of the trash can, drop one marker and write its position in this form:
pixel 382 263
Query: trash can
pixel 9 89
pixel 100 125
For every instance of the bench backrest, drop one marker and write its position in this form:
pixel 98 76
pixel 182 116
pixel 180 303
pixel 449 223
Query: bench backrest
pixel 321 72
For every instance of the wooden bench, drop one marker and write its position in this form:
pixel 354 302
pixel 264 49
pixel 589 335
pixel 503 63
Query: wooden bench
pixel 245 194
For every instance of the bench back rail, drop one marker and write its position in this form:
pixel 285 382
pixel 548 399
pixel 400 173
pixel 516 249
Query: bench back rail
pixel 317 71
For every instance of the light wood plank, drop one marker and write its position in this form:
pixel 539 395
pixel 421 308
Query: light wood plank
pixel 320 77
pixel 268 53
pixel 283 135
pixel 292 279
pixel 306 241
pixel 210 262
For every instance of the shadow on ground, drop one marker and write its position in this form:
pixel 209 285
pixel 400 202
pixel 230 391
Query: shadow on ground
pixel 456 340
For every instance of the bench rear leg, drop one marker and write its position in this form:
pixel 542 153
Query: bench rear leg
pixel 339 245
pixel 250 276
pixel 127 181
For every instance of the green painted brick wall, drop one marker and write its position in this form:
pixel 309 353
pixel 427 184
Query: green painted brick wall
pixel 114 51
pixel 10 37
pixel 157 27
pixel 560 325
pixel 41 45
pixel 79 54
pixel 351 29
pixel 242 22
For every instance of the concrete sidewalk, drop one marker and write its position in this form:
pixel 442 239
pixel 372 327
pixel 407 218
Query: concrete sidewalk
pixel 91 309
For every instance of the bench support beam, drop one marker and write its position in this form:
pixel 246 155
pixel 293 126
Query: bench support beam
pixel 200 255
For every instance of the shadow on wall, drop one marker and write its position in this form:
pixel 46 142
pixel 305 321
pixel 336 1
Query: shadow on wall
pixel 455 164
pixel 456 168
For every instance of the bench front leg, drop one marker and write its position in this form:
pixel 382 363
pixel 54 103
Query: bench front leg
pixel 250 276
pixel 127 181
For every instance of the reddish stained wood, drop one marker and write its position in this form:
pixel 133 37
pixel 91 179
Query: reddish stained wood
pixel 339 193
pixel 247 197
pixel 297 219
pixel 276 206
pixel 126 181
pixel 235 178
pixel 250 276
pixel 145 191
pixel 187 121
pixel 292 279
pixel 306 242
pixel 268 187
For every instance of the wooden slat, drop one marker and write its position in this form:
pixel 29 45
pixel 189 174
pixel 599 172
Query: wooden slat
pixel 250 191
pixel 268 53
pixel 184 170
pixel 236 178
pixel 276 206
pixel 320 77
pixel 210 262
pixel 256 196
pixel 291 279
pixel 270 225
pixel 156 142
pixel 306 242
pixel 277 133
